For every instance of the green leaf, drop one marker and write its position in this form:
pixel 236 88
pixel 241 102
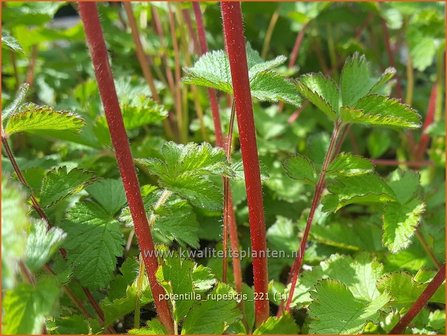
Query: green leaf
pixel 214 315
pixel 272 87
pixel 109 193
pixel 360 189
pixel 202 278
pixel 399 224
pixel 300 167
pixel 15 224
pixel 405 185
pixel 378 143
pixel 320 91
pixel 283 325
pixel 188 171
pixel 31 117
pixel 93 243
pixel 355 80
pixel 154 327
pixel 59 183
pixel 347 164
pixel 175 275
pixel 404 290
pixel 213 70
pixel 336 311
pixel 41 244
pixel 26 306
pixel 381 111
pixel 174 219
pixel 10 42
pixel 124 292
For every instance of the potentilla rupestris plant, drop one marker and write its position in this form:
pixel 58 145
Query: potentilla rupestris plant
pixel 98 51
pixel 235 47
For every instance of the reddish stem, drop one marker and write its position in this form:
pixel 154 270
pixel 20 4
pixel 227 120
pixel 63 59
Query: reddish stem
pixel 187 17
pixel 414 164
pixel 211 93
pixel 425 138
pixel 297 46
pixel 98 52
pixel 235 46
pixel 298 263
pixel 420 302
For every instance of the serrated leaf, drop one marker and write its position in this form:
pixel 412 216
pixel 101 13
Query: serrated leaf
pixel 283 325
pixel 271 87
pixel 379 86
pixel 188 171
pixel 31 117
pixel 15 224
pixel 360 189
pixel 320 91
pixel 109 193
pixel 94 241
pixel 381 111
pixel 202 278
pixel 355 80
pixel 336 311
pixel 405 184
pixel 41 244
pixel 153 327
pixel 404 291
pixel 175 275
pixel 213 315
pixel 174 219
pixel 26 306
pixel 399 224
pixel 299 167
pixel 213 70
pixel 10 42
pixel 60 183
pixel 347 164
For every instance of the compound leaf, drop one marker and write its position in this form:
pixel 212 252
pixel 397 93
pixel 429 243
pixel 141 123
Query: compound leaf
pixel 299 167
pixel 347 164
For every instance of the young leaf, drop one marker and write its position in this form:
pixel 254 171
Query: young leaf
pixel 347 164
pixel 381 111
pixel 26 306
pixel 202 278
pixel 176 277
pixel 59 183
pixel 320 91
pixel 283 325
pixel 360 189
pixel 31 117
pixel 41 244
pixel 213 315
pixel 109 193
pixel 10 42
pixel 300 167
pixel 188 171
pixel 335 310
pixel 399 224
pixel 94 241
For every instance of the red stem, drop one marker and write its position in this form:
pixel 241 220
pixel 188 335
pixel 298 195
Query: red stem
pixel 298 263
pixel 425 138
pixel 187 18
pixel 235 46
pixel 420 302
pixel 414 164
pixel 211 93
pixel 296 46
pixel 98 52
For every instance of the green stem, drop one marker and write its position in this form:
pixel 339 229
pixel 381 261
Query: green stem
pixel 140 278
pixel 269 33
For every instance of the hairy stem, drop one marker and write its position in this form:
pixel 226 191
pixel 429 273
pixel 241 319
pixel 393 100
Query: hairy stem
pixel 235 47
pixel 98 52
pixel 296 267
pixel 420 302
